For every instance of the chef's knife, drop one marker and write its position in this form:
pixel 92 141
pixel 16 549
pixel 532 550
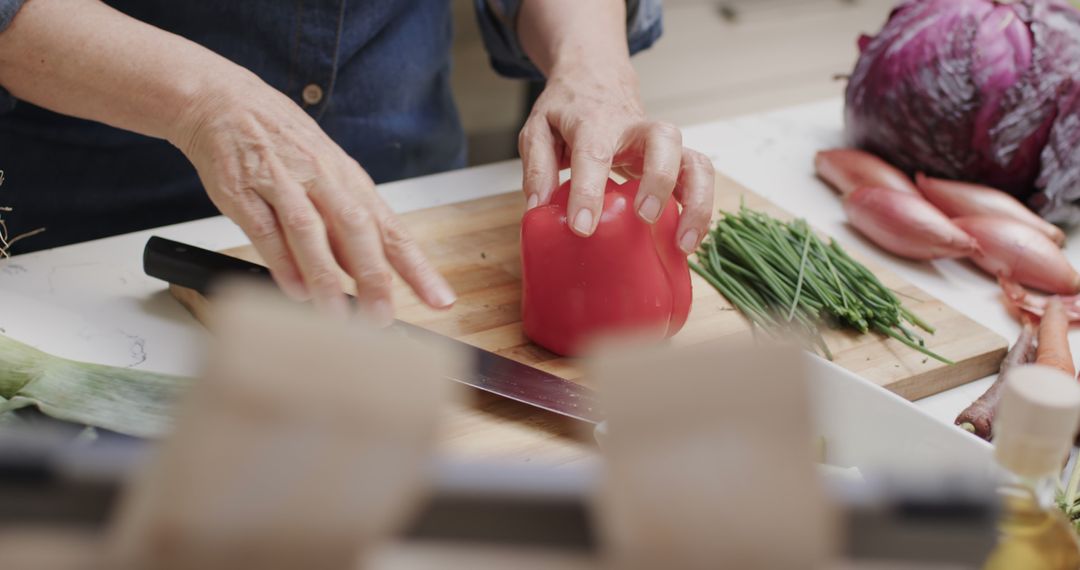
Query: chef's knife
pixel 196 268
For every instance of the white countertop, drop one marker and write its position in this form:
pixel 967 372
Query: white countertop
pixel 92 302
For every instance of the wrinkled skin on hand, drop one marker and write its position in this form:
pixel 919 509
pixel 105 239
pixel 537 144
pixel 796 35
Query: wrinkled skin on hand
pixel 594 124
pixel 309 209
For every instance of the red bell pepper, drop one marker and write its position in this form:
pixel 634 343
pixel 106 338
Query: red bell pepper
pixel 627 278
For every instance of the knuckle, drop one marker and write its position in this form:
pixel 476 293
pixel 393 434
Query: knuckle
pixel 532 133
pixel 665 176
pixel 527 133
pixel 395 236
pixel 299 219
pixel 354 218
pixel 698 196
pixel 279 259
pixel 694 219
pixel 323 163
pixel 535 173
pixel 695 159
pixel 261 227
pixel 591 191
pixel 666 131
pixel 373 278
pixel 702 214
pixel 593 152
pixel 326 280
pixel 699 208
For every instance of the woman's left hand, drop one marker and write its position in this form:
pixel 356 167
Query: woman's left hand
pixel 594 123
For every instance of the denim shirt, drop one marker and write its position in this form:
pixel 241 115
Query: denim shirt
pixel 373 73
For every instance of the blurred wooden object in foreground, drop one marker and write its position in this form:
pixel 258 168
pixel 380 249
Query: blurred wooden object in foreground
pixel 708 449
pixel 310 443
pixel 307 441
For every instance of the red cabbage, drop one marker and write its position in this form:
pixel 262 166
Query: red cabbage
pixel 984 91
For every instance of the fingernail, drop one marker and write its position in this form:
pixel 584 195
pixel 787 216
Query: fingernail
pixel 650 209
pixel 443 297
pixel 381 312
pixel 534 200
pixel 689 241
pixel 583 222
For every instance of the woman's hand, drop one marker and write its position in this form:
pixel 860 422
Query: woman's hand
pixel 593 124
pixel 590 119
pixel 307 206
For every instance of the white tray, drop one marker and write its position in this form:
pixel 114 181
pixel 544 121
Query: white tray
pixel 868 427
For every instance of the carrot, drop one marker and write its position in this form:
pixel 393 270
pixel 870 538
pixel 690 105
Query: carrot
pixel 978 418
pixel 1054 338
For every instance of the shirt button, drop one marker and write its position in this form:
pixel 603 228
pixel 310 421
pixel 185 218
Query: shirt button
pixel 312 94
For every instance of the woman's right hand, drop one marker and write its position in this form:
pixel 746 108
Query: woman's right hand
pixel 309 209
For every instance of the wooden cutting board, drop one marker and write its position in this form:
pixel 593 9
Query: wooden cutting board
pixel 476 246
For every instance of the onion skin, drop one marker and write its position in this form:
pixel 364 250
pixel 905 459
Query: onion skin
pixel 848 169
pixel 1015 251
pixel 1022 301
pixel 960 199
pixel 905 224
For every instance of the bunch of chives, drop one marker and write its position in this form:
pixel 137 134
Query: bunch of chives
pixel 788 281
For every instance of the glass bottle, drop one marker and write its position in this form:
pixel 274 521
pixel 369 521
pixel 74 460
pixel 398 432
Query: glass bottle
pixel 1036 423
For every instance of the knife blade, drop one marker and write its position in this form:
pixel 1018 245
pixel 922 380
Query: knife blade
pixel 199 269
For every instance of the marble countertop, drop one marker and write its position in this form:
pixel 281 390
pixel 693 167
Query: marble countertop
pixel 91 301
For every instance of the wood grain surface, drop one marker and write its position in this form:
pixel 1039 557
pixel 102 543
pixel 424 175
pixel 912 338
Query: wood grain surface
pixel 476 246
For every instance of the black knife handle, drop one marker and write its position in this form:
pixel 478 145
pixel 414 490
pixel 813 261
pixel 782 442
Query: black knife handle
pixel 194 267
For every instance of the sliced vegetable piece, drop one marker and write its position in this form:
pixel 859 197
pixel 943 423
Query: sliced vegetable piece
pixel 958 199
pixel 978 418
pixel 1015 251
pixel 848 169
pixel 905 224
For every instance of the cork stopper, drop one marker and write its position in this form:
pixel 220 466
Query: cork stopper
pixel 1037 420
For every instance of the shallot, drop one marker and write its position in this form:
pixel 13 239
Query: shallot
pixel 1024 301
pixel 905 224
pixel 957 199
pixel 848 169
pixel 1016 251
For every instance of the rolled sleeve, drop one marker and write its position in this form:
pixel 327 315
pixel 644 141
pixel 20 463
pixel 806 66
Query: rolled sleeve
pixel 8 9
pixel 644 24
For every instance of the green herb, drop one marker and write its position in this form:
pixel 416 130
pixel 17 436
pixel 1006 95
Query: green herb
pixel 787 281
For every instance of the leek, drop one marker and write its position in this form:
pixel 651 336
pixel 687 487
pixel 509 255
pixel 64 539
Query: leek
pixel 124 400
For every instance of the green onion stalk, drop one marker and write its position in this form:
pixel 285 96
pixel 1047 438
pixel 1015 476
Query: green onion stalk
pixel 787 281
